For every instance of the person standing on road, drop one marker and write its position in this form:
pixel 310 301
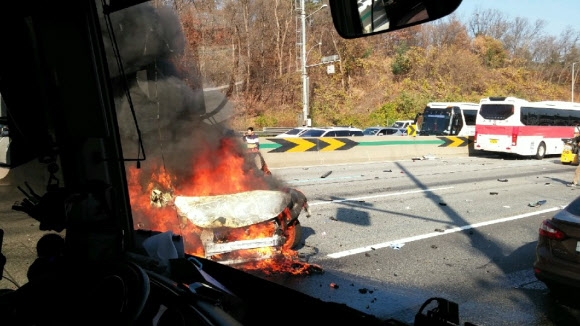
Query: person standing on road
pixel 253 145
pixel 574 183
pixel 576 178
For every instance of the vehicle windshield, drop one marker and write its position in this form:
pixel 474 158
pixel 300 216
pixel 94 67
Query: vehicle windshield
pixel 370 131
pixel 294 131
pixel 496 111
pixel 313 133
pixel 435 121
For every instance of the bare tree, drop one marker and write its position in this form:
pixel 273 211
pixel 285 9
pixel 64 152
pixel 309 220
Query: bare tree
pixel 283 20
pixel 521 35
pixel 246 35
pixel 490 22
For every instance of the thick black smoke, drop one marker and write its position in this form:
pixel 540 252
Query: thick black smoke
pixel 168 111
pixel 171 115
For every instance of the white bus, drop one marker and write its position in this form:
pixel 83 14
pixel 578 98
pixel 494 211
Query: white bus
pixel 515 126
pixel 448 119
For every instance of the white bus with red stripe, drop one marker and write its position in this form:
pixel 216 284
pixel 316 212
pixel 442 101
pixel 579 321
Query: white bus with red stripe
pixel 515 126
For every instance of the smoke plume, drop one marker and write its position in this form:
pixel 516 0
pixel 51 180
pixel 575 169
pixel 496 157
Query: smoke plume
pixel 171 116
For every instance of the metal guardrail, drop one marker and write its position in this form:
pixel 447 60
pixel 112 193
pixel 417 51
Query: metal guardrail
pixel 272 131
pixel 268 131
pixel 276 129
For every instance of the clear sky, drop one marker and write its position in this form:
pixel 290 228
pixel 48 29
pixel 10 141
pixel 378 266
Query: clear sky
pixel 558 14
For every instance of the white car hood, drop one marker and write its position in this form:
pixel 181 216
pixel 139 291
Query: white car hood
pixel 233 210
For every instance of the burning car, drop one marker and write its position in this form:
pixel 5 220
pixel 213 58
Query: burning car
pixel 240 227
pixel 223 206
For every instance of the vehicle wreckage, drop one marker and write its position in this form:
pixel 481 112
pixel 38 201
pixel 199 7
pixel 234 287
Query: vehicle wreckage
pixel 220 217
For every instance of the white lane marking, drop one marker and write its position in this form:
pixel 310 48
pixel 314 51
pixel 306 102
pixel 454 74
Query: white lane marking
pixel 376 196
pixel 325 179
pixel 436 234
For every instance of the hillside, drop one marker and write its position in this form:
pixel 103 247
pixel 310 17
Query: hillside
pixel 378 79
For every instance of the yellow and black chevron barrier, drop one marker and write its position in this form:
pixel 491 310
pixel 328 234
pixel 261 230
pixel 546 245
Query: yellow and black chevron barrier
pixel 452 141
pixel 312 144
pixel 412 130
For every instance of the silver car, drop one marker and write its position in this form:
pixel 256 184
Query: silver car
pixel 294 132
pixel 333 132
pixel 385 131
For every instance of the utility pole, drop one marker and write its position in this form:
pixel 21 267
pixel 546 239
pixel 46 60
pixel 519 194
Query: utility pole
pixel 573 80
pixel 306 121
pixel 305 114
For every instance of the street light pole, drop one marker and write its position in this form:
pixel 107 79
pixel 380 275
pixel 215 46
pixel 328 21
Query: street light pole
pixel 305 114
pixel 573 80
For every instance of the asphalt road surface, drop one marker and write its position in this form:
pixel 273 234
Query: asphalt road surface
pixel 391 235
pixel 388 236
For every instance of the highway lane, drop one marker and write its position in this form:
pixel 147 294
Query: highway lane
pixel 376 230
pixel 402 199
pixel 393 234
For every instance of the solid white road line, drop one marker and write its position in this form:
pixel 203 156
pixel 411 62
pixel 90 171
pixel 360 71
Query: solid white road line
pixel 435 234
pixel 376 196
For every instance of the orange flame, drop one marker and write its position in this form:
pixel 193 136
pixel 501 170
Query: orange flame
pixel 216 172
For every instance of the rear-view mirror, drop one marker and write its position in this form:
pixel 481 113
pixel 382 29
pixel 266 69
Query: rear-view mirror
pixel 358 18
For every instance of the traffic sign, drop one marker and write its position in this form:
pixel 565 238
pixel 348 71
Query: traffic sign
pixel 412 130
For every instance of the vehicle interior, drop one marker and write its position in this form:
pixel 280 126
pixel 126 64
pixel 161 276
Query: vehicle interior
pixel 100 113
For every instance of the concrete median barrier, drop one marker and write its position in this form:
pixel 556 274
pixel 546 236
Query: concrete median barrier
pixel 290 152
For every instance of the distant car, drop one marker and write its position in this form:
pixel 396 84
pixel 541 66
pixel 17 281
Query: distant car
pixel 385 131
pixel 403 131
pixel 294 132
pixel 557 262
pixel 333 132
pixel 402 123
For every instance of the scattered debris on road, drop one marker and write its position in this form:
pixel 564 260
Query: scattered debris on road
pixel 396 246
pixel 326 174
pixel 424 157
pixel 538 203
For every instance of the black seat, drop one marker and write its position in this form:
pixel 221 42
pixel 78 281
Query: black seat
pixel 91 294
